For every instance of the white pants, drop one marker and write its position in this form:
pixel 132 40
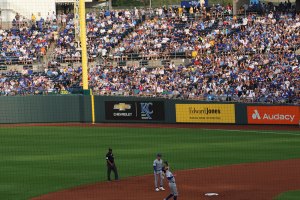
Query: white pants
pixel 173 189
pixel 158 175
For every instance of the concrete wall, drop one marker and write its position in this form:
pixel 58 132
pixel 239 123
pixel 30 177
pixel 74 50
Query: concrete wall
pixel 237 4
pixel 26 8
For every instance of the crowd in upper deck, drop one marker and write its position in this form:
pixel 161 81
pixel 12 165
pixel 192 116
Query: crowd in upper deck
pixel 244 58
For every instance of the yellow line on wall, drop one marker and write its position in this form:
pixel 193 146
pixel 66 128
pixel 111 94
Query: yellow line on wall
pixel 93 108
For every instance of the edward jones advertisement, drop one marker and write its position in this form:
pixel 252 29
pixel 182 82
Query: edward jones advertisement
pixel 205 113
pixel 273 114
pixel 135 110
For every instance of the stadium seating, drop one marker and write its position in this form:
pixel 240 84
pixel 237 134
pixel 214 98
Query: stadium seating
pixel 245 58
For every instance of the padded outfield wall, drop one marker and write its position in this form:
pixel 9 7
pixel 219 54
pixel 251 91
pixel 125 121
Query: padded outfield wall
pixel 77 108
pixel 44 109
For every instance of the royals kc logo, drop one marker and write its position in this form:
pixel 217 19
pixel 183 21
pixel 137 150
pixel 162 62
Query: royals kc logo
pixel 147 110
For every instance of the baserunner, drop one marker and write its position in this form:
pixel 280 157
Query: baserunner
pixel 172 183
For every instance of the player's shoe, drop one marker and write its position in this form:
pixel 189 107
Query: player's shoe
pixel 162 188
pixel 157 189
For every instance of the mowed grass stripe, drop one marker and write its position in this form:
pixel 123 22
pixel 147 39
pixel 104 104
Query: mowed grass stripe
pixel 38 160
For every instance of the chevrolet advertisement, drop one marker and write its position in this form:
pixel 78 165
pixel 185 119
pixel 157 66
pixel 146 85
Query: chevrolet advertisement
pixel 135 110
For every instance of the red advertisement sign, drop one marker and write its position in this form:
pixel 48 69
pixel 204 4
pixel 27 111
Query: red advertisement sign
pixel 273 114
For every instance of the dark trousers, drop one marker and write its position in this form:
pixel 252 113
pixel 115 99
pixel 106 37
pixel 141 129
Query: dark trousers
pixel 114 169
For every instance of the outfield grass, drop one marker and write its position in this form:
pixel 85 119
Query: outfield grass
pixel 291 195
pixel 38 160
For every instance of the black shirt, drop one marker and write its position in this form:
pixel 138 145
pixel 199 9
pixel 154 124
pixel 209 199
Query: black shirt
pixel 110 157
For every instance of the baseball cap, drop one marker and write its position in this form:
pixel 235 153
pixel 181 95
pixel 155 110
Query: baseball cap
pixel 158 155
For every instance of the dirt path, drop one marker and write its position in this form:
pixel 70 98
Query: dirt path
pixel 259 181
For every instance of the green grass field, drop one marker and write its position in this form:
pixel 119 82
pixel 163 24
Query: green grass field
pixel 39 160
pixel 291 195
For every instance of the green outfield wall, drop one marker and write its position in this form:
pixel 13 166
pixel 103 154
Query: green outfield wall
pixel 44 109
pixel 77 108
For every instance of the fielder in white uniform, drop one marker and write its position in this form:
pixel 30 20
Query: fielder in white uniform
pixel 158 173
pixel 172 183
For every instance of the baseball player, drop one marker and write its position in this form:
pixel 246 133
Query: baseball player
pixel 172 183
pixel 158 174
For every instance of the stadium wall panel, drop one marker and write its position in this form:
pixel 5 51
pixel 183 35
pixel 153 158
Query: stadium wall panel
pixel 77 108
pixel 133 109
pixel 126 110
pixel 42 109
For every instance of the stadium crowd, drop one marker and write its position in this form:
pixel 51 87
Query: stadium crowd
pixel 24 45
pixel 258 78
pixel 104 31
pixel 26 42
pixel 163 37
pixel 271 78
pixel 250 58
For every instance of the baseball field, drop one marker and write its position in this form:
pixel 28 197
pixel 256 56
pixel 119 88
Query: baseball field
pixel 68 162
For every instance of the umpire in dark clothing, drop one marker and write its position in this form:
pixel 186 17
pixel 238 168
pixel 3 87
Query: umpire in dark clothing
pixel 111 166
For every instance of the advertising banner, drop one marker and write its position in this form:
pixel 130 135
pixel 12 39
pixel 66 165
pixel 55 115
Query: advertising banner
pixel 205 113
pixel 135 110
pixel 273 114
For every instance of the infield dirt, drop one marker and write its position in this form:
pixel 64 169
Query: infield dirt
pixel 259 181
